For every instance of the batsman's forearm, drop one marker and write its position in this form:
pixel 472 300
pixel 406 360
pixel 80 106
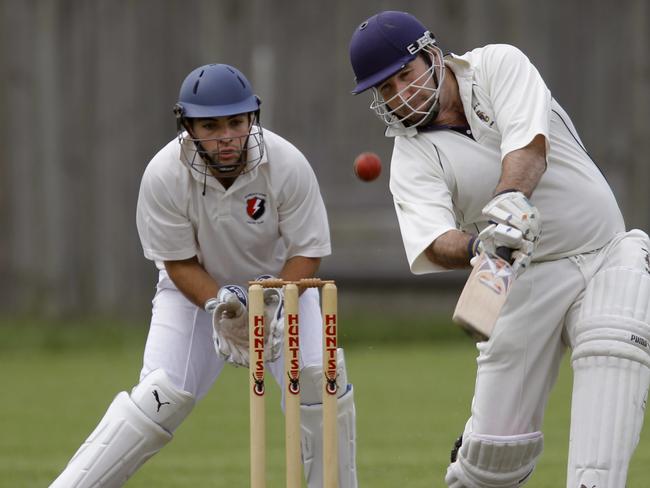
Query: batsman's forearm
pixel 191 278
pixel 450 250
pixel 523 168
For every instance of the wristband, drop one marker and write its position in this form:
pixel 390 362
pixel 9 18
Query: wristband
pixel 508 190
pixel 472 246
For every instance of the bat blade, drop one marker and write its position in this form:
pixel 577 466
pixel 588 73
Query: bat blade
pixel 484 294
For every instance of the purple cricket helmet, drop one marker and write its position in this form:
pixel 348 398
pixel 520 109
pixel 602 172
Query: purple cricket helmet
pixel 384 44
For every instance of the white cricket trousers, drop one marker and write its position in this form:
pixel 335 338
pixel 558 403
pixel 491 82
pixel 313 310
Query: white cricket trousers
pixel 518 366
pixel 545 312
pixel 180 340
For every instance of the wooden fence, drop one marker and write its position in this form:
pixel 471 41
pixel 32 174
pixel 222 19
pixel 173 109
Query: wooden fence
pixel 87 86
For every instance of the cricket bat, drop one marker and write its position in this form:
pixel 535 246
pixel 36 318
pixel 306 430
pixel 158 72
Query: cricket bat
pixel 484 294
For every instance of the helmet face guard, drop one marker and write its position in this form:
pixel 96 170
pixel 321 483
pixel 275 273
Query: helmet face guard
pixel 382 46
pixel 207 163
pixel 418 102
pixel 210 92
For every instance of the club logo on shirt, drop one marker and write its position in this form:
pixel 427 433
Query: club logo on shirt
pixel 482 115
pixel 255 206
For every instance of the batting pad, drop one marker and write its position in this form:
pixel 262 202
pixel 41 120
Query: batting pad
pixel 311 420
pixel 124 439
pixel 487 461
pixel 607 409
pixel 611 365
pixel 616 310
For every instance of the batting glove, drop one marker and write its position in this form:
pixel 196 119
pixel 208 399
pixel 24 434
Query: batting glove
pixel 505 242
pixel 513 209
pixel 516 224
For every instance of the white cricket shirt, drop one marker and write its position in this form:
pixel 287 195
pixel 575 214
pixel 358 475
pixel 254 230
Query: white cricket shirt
pixel 441 179
pixel 267 216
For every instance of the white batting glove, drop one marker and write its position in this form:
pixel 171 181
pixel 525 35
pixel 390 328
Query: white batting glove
pixel 521 257
pixel 495 236
pixel 274 320
pixel 516 224
pixel 498 240
pixel 230 324
pixel 515 210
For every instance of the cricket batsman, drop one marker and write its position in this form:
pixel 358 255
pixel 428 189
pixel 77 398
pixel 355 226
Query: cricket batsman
pixel 482 152
pixel 221 204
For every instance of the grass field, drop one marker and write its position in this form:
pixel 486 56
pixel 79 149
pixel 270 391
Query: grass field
pixel 412 401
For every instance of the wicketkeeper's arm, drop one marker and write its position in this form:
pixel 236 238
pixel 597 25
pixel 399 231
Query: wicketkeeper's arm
pixel 299 267
pixel 191 278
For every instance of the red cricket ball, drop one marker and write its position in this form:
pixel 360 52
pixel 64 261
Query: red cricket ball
pixel 367 166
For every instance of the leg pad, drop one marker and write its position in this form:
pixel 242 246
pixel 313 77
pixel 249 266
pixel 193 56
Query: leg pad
pixel 134 428
pixel 486 461
pixel 124 439
pixel 312 442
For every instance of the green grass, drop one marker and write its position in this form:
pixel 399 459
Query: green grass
pixel 412 401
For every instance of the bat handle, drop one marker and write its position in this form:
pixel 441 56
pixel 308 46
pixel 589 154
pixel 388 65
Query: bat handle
pixel 504 253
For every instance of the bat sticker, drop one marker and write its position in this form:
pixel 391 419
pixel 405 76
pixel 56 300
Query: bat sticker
pixel 495 274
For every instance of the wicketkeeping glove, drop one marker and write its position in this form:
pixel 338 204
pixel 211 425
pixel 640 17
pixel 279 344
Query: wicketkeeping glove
pixel 273 319
pixel 230 324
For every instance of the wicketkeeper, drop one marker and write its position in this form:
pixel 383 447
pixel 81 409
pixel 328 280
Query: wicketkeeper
pixel 479 141
pixel 223 203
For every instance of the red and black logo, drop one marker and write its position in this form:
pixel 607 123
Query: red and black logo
pixel 255 207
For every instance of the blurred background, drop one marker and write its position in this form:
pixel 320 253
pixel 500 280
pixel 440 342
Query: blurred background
pixel 87 87
pixel 86 95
